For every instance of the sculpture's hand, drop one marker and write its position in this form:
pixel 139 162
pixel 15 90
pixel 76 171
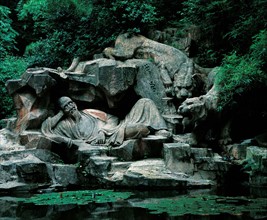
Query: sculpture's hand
pixel 60 113
pixel 100 139
pixel 55 119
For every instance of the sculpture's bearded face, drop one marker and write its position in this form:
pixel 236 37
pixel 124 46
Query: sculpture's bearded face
pixel 70 108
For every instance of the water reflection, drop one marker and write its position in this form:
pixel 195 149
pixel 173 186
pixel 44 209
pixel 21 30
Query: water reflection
pixel 12 208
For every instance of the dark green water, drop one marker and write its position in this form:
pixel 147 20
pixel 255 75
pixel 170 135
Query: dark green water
pixel 138 205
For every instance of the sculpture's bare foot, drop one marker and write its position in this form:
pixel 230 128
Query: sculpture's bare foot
pixel 163 133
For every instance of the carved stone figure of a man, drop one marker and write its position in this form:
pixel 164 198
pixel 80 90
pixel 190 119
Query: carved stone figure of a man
pixel 96 127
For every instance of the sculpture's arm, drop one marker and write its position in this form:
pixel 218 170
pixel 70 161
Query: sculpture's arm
pixel 55 119
pixel 47 129
pixel 50 123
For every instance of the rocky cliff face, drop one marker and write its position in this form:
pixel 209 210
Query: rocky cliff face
pixel 135 68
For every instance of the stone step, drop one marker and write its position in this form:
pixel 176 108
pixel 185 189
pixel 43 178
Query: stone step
pixel 99 166
pixel 104 158
pixel 64 174
pixel 42 154
pixel 118 169
pixel 173 122
pixel 87 151
pixel 184 153
pixel 120 166
pixel 30 139
pixel 152 173
pixel 202 164
pixel 132 150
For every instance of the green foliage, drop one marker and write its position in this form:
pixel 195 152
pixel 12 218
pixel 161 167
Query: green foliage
pixel 250 17
pixel 198 205
pixel 70 28
pixel 168 12
pixel 259 49
pixel 236 76
pixel 225 25
pixel 10 68
pixel 203 205
pixel 211 17
pixel 60 30
pixel 50 51
pixel 31 8
pixel 134 16
pixel 77 197
pixel 239 75
pixel 38 9
pixel 7 33
pixel 85 27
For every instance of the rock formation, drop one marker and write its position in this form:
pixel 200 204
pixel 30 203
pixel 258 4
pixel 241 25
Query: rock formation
pixel 135 68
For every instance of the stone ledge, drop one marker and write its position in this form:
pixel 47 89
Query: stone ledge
pixel 132 150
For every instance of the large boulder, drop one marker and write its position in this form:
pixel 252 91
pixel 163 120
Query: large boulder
pixel 179 74
pixel 31 95
pixel 111 81
pixel 200 117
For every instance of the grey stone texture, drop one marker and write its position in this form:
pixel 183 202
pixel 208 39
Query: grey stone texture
pixel 136 67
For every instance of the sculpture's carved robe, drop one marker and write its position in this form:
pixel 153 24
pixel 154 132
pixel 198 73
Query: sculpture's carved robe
pixel 144 112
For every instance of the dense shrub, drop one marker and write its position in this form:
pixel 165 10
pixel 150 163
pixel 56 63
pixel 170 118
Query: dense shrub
pixel 10 68
pixel 7 33
pixel 240 75
pixel 70 28
pixel 135 16
pixel 57 35
pixel 226 25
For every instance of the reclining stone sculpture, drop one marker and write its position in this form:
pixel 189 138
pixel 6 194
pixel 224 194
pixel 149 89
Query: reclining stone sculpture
pixel 71 126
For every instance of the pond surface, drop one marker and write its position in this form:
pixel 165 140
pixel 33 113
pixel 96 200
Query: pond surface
pixel 136 205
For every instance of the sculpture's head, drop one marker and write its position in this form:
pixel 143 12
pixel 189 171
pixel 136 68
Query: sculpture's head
pixel 67 105
pixel 187 85
pixel 193 111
